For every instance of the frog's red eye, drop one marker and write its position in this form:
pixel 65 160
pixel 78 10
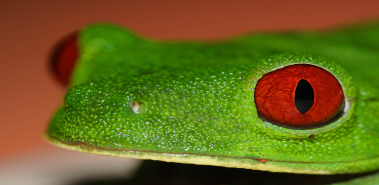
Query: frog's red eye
pixel 63 58
pixel 299 96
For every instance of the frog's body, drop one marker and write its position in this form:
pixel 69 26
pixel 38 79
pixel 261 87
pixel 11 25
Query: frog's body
pixel 193 102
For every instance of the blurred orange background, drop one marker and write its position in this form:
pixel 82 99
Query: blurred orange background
pixel 29 30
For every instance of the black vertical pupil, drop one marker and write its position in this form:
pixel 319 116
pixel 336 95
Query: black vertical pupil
pixel 304 96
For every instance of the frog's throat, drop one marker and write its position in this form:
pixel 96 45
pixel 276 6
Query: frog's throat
pixel 224 161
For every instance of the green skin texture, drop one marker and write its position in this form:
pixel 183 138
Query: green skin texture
pixel 197 99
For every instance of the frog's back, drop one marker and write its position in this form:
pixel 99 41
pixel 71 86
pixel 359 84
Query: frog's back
pixel 353 48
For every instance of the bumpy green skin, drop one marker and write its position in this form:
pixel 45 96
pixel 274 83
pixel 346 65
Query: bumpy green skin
pixel 198 98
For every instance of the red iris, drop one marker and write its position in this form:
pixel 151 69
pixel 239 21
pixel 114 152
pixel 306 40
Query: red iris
pixel 64 57
pixel 275 96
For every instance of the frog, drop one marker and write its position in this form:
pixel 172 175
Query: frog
pixel 295 102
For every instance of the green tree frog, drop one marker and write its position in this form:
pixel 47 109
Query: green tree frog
pixel 295 102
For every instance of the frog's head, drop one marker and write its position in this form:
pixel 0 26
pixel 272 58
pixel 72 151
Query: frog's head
pixel 233 115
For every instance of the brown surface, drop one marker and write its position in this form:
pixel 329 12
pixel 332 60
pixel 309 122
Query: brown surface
pixel 29 29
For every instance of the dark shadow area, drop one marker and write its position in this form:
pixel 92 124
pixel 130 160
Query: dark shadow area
pixel 163 173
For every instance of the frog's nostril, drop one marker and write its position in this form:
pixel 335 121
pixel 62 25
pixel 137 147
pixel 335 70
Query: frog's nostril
pixel 137 107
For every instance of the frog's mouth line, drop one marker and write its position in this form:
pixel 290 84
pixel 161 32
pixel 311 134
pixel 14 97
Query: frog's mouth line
pixel 226 161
